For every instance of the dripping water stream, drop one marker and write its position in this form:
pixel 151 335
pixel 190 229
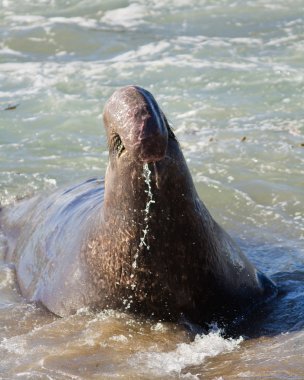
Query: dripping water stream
pixel 143 242
pixel 144 233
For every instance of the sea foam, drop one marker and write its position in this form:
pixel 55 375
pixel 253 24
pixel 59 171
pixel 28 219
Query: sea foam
pixel 185 355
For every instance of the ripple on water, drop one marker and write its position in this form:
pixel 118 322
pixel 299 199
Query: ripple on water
pixel 222 71
pixel 86 344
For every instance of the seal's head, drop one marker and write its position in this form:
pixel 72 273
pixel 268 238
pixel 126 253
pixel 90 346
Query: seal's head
pixel 135 126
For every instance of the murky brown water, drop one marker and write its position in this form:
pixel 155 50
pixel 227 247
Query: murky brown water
pixel 108 345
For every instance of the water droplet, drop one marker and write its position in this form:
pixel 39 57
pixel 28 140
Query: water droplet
pixel 150 200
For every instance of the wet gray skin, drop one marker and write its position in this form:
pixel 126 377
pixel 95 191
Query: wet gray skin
pixel 142 240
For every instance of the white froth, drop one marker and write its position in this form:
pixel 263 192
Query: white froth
pixel 128 17
pixel 185 354
pixel 144 52
pixel 119 338
pixel 15 345
pixel 7 275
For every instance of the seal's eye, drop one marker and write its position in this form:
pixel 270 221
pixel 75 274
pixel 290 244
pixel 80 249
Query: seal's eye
pixel 118 145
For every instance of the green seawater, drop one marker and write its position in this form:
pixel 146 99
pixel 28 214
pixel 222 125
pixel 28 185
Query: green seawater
pixel 229 75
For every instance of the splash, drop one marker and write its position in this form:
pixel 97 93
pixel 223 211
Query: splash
pixel 150 200
pixel 185 355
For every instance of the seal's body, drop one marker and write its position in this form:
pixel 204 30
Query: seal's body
pixel 141 241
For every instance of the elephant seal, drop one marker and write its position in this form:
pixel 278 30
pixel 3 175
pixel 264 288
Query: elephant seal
pixel 142 240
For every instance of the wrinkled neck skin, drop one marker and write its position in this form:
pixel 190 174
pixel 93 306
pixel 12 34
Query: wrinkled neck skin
pixel 155 259
pixel 126 187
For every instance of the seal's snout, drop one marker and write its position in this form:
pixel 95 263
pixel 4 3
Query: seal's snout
pixel 152 138
pixel 152 149
pixel 133 114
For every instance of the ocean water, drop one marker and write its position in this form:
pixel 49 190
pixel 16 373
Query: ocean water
pixel 229 75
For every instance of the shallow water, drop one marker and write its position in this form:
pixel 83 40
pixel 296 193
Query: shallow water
pixel 230 77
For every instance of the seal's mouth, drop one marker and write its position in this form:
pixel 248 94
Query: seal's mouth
pixel 161 170
pixel 152 149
